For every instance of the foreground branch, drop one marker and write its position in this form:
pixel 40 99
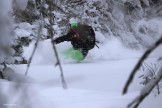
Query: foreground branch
pixel 54 47
pixel 35 47
pixel 146 90
pixel 145 55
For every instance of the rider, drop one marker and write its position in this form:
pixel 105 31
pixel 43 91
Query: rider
pixel 82 37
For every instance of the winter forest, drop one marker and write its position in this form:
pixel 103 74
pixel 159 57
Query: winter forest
pixel 123 70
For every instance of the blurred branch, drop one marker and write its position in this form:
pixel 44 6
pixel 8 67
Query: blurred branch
pixel 51 32
pixel 146 91
pixel 35 47
pixel 145 55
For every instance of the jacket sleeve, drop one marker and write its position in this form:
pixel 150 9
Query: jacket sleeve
pixel 60 39
pixel 67 37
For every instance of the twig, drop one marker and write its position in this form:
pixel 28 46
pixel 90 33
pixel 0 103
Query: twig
pixel 54 47
pixel 157 67
pixel 35 47
pixel 145 55
pixel 151 70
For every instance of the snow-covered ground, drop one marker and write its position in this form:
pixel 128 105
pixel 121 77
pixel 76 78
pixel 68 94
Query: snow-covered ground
pixel 90 85
pixel 97 82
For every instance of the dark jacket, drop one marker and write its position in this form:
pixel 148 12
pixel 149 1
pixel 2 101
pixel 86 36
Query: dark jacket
pixel 82 36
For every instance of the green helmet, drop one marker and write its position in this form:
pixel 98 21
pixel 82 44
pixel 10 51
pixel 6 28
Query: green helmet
pixel 73 22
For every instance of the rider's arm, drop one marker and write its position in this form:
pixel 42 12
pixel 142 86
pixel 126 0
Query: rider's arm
pixel 67 37
pixel 60 39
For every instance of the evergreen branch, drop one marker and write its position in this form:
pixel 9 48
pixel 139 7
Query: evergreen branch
pixel 145 55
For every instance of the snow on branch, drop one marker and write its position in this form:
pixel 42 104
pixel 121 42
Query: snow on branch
pixel 146 90
pixel 145 55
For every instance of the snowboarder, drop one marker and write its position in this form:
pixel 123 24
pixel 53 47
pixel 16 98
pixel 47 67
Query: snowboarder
pixel 82 37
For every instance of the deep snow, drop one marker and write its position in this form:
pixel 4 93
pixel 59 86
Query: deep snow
pixel 96 82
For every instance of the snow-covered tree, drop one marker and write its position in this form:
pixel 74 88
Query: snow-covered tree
pixel 6 40
pixel 126 19
pixel 6 36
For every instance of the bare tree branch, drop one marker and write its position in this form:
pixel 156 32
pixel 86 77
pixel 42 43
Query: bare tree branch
pixel 35 47
pixel 145 55
pixel 54 47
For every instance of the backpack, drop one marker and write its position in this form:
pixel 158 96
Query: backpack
pixel 85 35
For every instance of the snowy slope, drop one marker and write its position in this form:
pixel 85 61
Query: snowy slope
pixel 90 85
pixel 97 82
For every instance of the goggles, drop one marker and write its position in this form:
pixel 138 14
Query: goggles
pixel 74 24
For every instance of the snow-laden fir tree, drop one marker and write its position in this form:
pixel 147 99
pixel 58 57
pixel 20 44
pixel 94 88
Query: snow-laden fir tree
pixel 6 36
